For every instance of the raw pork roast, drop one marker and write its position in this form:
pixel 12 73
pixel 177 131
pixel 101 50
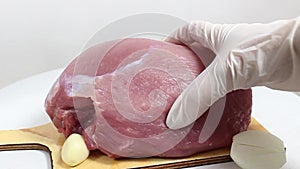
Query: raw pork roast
pixel 118 94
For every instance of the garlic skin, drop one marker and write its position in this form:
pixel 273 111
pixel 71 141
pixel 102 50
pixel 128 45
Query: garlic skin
pixel 74 150
pixel 256 149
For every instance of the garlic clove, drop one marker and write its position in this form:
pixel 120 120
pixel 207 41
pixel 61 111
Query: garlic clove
pixel 257 137
pixel 255 149
pixel 74 150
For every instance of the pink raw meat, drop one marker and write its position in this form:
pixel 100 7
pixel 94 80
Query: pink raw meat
pixel 118 94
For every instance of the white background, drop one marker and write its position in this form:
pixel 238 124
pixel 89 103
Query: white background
pixel 39 35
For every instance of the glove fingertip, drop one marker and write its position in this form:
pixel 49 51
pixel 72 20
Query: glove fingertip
pixel 177 120
pixel 171 121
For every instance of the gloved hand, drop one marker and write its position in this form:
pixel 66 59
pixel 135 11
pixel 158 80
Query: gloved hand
pixel 246 55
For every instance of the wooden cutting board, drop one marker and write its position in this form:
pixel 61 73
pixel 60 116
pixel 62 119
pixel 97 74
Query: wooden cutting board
pixel 47 138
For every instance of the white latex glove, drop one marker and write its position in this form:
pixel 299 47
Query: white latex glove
pixel 246 55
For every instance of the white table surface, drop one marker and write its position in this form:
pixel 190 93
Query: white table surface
pixel 21 106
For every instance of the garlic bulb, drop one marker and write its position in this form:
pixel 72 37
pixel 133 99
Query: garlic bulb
pixel 256 149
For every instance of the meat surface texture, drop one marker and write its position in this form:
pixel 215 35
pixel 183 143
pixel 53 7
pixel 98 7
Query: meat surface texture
pixel 117 95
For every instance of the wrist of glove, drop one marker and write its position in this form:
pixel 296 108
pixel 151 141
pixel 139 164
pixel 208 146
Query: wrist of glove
pixel 269 58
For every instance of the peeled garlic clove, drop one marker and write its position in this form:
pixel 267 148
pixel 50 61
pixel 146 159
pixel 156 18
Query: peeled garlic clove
pixel 257 149
pixel 74 150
